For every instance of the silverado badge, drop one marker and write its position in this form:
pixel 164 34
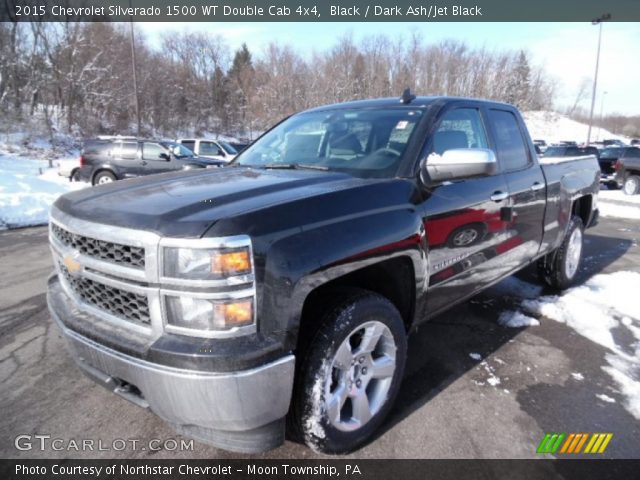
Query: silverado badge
pixel 73 266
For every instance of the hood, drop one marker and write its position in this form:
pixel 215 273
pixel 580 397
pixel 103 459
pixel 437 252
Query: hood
pixel 186 204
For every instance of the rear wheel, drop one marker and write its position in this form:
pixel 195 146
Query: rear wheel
pixel 560 268
pixel 632 185
pixel 351 374
pixel 104 177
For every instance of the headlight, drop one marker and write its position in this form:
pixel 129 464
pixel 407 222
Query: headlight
pixel 206 264
pixel 209 315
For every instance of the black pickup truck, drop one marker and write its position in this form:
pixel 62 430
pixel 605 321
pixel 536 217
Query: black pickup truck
pixel 285 286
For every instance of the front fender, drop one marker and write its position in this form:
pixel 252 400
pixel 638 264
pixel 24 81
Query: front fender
pixel 321 253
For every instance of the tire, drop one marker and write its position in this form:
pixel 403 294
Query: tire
pixel 559 269
pixel 75 176
pixel 339 401
pixel 103 177
pixel 631 185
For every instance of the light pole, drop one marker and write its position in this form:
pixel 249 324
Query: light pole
pixel 601 110
pixel 598 21
pixel 135 72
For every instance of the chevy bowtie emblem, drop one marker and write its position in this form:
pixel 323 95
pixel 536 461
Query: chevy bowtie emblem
pixel 73 266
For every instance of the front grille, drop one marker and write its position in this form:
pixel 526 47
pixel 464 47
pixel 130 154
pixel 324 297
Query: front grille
pixel 107 251
pixel 126 305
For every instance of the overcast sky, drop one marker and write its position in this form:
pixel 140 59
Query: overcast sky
pixel 567 50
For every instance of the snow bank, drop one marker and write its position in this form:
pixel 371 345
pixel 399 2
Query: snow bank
pixel 604 304
pixel 27 190
pixel 554 127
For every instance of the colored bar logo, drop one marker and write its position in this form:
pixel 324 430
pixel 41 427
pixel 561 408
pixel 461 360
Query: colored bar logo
pixel 574 443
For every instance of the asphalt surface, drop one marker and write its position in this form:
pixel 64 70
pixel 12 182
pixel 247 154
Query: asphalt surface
pixel 446 408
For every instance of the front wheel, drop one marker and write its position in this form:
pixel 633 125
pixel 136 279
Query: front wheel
pixel 559 269
pixel 631 185
pixel 351 374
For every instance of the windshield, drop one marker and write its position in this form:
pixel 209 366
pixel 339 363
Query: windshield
pixel 230 150
pixel 363 142
pixel 178 151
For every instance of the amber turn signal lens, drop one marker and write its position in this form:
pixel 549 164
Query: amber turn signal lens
pixel 235 314
pixel 231 263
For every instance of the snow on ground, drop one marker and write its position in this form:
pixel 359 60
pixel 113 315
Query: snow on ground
pixel 605 311
pixel 577 376
pixel 621 211
pixel 606 398
pixel 614 203
pixel 514 319
pixel 554 127
pixel 27 190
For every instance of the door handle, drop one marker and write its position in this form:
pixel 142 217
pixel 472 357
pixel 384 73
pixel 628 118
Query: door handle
pixel 499 196
pixel 144 163
pixel 537 186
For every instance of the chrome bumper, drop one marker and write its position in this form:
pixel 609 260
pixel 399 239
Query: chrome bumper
pixel 229 402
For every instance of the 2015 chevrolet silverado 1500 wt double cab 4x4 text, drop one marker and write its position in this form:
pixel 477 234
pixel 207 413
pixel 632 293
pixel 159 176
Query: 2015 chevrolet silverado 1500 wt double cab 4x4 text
pixel 284 286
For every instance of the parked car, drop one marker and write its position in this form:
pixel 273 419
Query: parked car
pixel 635 142
pixel 211 149
pixel 627 169
pixel 571 151
pixel 107 160
pixel 69 168
pixel 288 282
pixel 541 144
pixel 608 160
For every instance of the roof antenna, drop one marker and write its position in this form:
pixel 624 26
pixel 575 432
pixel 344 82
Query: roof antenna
pixel 407 96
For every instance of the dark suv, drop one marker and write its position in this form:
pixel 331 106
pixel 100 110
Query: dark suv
pixel 610 159
pixel 104 161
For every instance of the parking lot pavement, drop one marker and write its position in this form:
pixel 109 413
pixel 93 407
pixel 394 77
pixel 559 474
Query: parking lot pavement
pixel 496 403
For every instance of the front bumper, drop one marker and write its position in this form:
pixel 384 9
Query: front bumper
pixel 242 411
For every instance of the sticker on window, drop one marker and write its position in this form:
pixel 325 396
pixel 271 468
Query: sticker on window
pixel 402 124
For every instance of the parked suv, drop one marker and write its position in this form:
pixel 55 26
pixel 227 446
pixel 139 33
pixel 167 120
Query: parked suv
pixel 107 160
pixel 613 175
pixel 627 169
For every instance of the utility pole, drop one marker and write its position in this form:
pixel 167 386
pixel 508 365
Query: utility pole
pixel 598 21
pixel 135 73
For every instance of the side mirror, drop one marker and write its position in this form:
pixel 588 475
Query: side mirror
pixel 165 156
pixel 457 164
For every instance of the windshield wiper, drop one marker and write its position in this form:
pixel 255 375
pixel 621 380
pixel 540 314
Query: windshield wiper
pixel 294 166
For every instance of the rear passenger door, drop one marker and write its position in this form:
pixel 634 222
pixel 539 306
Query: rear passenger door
pixel 526 185
pixel 126 159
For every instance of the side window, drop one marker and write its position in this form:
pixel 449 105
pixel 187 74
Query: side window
pixel 190 144
pixel 152 151
pixel 633 153
pixel 459 128
pixel 209 148
pixel 510 146
pixel 126 150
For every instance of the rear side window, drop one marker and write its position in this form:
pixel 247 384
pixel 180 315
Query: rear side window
pixel 126 150
pixel 510 146
pixel 459 128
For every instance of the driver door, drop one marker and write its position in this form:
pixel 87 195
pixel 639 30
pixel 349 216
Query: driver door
pixel 156 159
pixel 463 218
